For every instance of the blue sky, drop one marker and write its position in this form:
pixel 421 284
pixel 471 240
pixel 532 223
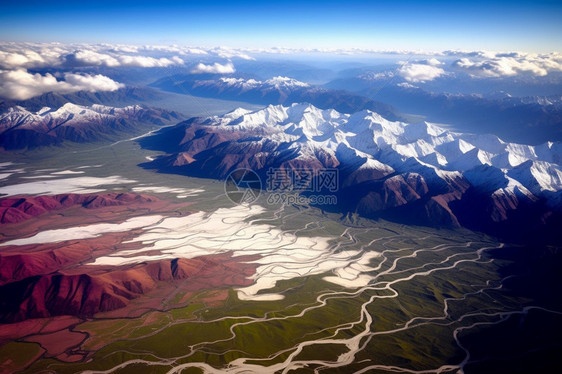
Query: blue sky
pixel 431 25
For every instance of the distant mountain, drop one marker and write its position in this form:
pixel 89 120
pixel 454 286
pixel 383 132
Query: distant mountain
pixel 271 68
pixel 415 173
pixel 278 90
pixel 21 128
pixel 554 100
pixel 528 120
pixel 121 97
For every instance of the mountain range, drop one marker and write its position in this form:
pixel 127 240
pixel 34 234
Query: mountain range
pixel 413 173
pixel 21 128
pixel 122 97
pixel 277 90
pixel 528 120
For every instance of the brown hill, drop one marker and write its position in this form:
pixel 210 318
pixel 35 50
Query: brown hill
pixel 19 209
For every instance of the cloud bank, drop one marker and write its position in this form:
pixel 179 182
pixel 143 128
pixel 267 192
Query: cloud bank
pixel 22 65
pixel 30 55
pixel 35 55
pixel 21 85
pixel 509 64
pixel 477 64
pixel 92 58
pixel 16 59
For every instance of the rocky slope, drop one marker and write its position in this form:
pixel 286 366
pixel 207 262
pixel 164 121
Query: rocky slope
pixel 86 292
pixel 416 173
pixel 19 209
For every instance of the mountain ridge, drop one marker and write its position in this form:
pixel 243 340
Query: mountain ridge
pixel 277 90
pixel 124 96
pixel 22 128
pixel 387 169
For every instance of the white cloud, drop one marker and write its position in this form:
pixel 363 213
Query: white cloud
pixel 32 55
pixel 194 51
pixel 433 62
pixel 228 53
pixel 509 64
pixel 421 71
pixel 124 48
pixel 19 84
pixel 215 68
pixel 90 57
pixel 149 62
pixel 24 58
pixel 92 83
pixel 14 56
pixel 162 48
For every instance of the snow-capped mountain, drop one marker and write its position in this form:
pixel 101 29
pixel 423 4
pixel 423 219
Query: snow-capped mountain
pixel 387 168
pixel 20 128
pixel 248 84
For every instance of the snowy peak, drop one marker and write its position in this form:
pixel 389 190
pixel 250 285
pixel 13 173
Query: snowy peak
pixel 538 176
pixel 240 119
pixel 279 82
pixel 311 121
pixel 474 157
pixel 43 111
pixel 421 130
pixel 70 110
pixel 249 84
pixel 296 120
pixel 236 113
